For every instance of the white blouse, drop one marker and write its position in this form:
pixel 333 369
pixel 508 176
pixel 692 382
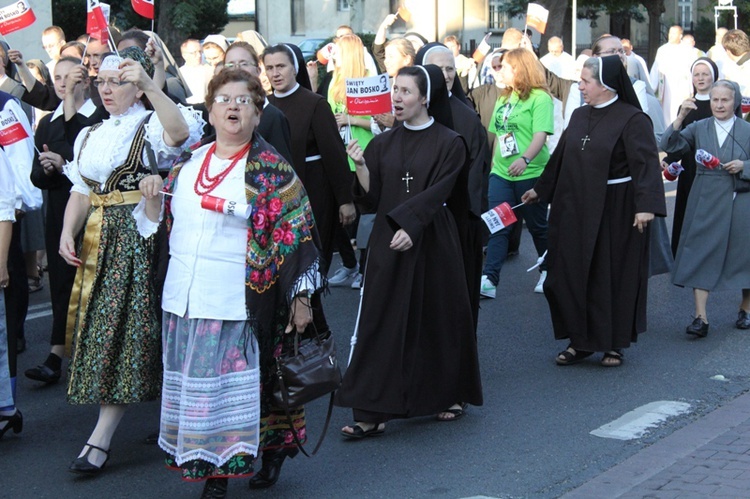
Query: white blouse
pixel 7 190
pixel 206 275
pixel 108 146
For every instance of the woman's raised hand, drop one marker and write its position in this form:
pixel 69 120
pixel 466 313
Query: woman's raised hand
pixel 133 72
pixel 356 153
pixel 50 161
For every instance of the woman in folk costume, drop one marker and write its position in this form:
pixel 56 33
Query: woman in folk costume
pixel 413 356
pixel 712 253
pixel 604 184
pixel 234 286
pixel 114 308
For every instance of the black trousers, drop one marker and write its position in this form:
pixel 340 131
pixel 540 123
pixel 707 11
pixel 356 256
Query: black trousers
pixel 16 296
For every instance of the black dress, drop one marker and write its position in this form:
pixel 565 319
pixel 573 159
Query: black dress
pixel 52 133
pixel 414 355
pixel 319 159
pixel 685 180
pixel 598 263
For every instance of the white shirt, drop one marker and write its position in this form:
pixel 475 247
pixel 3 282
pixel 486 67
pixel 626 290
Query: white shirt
pixel 7 190
pixel 206 276
pixel 109 145
pixel 20 155
pixel 197 78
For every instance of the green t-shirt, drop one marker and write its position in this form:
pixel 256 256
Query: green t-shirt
pixel 523 119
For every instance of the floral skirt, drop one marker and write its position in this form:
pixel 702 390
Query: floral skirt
pixel 210 415
pixel 117 356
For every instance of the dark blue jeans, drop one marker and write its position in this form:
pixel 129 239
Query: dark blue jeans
pixel 510 191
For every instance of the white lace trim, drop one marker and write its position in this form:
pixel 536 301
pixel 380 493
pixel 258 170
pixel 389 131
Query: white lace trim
pixel 144 225
pixel 217 460
pixel 108 146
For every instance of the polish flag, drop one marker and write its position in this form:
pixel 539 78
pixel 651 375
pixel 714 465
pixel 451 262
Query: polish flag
pixel 143 8
pixel 11 130
pixel 16 16
pixel 536 17
pixel 96 21
pixel 482 49
pixel 499 217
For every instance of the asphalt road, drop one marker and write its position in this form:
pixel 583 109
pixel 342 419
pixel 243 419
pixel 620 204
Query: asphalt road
pixel 530 439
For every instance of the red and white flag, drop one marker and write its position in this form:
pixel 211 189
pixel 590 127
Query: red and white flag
pixel 536 17
pixel 16 16
pixel 143 8
pixel 11 130
pixel 499 217
pixel 482 49
pixel 96 21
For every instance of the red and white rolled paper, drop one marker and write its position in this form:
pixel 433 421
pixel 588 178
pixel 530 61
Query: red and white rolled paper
pixel 225 206
pixel 706 159
pixel 673 171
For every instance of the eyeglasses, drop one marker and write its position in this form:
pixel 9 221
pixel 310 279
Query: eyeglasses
pixel 99 82
pixel 242 100
pixel 612 52
pixel 240 64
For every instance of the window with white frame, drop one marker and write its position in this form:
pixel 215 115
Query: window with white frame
pixel 685 13
pixel 343 5
pixel 498 18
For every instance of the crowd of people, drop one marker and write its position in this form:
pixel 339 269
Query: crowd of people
pixel 187 217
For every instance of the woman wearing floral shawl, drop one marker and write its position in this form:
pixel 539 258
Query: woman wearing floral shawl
pixel 233 232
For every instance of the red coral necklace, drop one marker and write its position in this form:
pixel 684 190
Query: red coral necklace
pixel 205 183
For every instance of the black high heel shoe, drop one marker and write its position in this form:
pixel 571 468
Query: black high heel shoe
pixel 215 488
pixel 83 466
pixel 271 469
pixel 14 422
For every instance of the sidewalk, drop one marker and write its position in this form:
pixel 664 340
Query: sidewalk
pixel 708 458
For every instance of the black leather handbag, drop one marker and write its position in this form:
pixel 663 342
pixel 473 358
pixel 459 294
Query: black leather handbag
pixel 309 372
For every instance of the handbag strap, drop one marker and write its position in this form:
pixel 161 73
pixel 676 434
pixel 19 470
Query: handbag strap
pixel 285 395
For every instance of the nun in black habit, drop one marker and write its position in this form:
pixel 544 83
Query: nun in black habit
pixel 318 154
pixel 467 123
pixel 604 184
pixel 416 351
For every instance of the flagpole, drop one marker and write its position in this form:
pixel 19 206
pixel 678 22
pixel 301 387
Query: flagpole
pixel 85 48
pixel 112 41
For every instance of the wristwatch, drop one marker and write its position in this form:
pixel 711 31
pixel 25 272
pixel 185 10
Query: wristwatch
pixel 526 160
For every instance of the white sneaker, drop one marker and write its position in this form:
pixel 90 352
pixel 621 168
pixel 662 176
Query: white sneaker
pixel 487 289
pixel 357 282
pixel 342 276
pixel 539 288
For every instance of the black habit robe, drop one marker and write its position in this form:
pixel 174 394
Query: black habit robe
pixel 598 263
pixel 467 124
pixel 328 179
pixel 416 351
pixel 54 135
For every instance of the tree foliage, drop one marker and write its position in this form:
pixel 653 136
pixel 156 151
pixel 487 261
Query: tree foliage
pixel 175 20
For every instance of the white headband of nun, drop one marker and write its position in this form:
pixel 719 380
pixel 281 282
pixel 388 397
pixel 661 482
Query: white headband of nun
pixel 601 76
pixel 111 63
pixel 435 48
pixel 294 58
pixel 710 68
pixel 429 83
